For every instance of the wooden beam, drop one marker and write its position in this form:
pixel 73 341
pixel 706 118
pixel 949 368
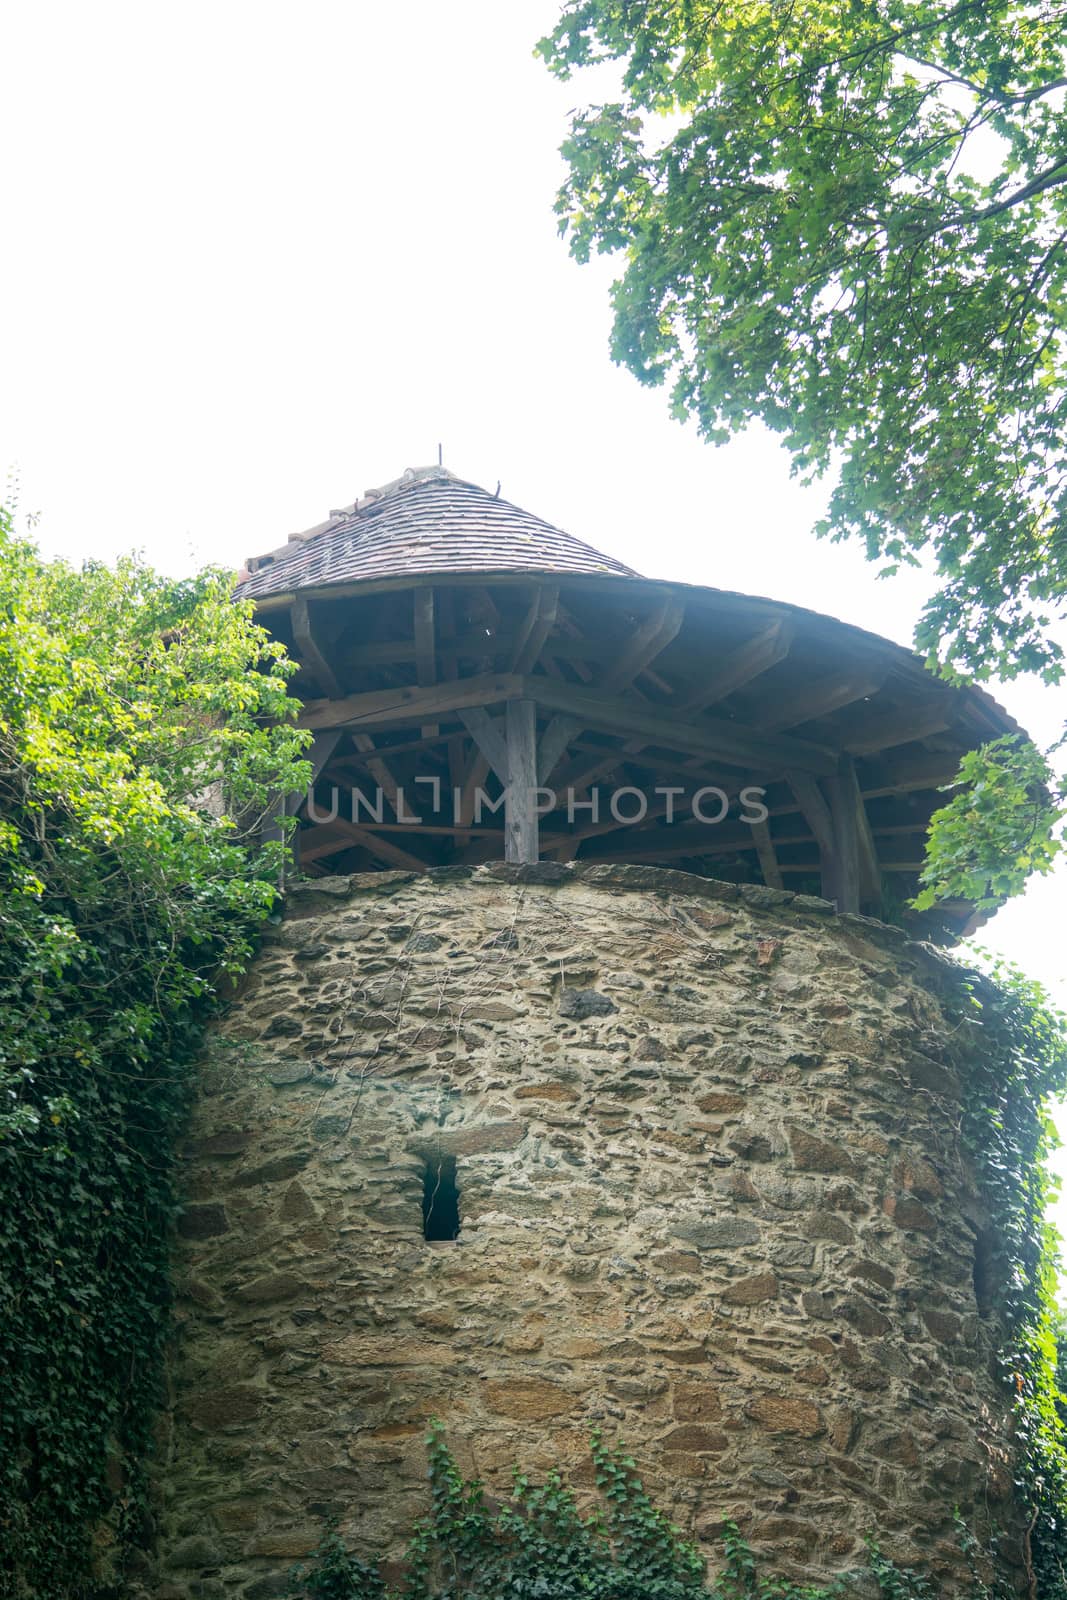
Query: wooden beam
pixel 520 806
pixel 870 873
pixel 477 772
pixel 405 747
pixel 841 871
pixel 491 741
pixel 425 648
pixel 377 766
pixel 870 734
pixel 395 652
pixel 682 839
pixel 587 767
pixel 535 628
pixel 714 738
pixel 309 648
pixel 553 745
pixel 814 809
pixel 321 842
pixel 819 699
pixel 386 708
pixel 929 770
pixel 768 859
pixel 432 830
pixel 763 651
pixel 457 761
pixel 653 636
pixel 383 849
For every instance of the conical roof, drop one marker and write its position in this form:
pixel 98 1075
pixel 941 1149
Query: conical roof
pixel 428 521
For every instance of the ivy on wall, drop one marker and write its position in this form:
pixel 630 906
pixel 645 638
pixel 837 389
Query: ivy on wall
pixel 1017 1050
pixel 540 1546
pixel 138 718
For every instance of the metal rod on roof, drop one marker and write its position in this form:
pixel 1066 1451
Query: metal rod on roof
pixel 440 456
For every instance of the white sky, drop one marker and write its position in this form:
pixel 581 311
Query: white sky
pixel 260 257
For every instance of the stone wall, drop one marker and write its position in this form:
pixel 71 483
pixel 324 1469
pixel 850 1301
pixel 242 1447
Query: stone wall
pixel 712 1199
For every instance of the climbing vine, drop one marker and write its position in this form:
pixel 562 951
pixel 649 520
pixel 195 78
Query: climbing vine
pixel 537 1546
pixel 1017 1050
pixel 144 726
pixel 540 1546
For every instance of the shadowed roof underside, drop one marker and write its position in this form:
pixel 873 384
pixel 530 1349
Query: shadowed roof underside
pixel 447 640
pixel 426 522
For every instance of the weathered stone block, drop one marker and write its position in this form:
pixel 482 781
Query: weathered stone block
pixel 812 1154
pixel 752 1291
pixel 529 1399
pixel 719 1233
pixel 778 1414
pixel 223 1408
pixel 203 1222
pixel 271 1288
pixel 583 1003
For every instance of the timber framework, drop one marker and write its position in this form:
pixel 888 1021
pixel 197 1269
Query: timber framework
pixel 475 667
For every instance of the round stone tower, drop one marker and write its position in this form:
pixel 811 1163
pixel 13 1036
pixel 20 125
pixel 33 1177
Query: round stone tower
pixel 516 1125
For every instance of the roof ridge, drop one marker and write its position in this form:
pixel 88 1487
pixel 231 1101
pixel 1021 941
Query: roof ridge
pixel 462 523
pixel 409 478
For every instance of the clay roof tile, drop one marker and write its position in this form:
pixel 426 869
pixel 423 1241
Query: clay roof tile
pixel 428 521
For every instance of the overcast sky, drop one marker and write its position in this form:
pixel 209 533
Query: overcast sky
pixel 259 257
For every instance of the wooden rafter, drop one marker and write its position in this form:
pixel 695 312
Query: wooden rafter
pixel 928 770
pixel 477 772
pixel 763 651
pixel 814 809
pixel 715 738
pixel 342 835
pixel 490 739
pixel 387 708
pixel 819 698
pixel 652 636
pixel 871 733
pixel 553 745
pixel 310 648
pixel 535 628
pixel 868 870
pixel 377 766
pixel 425 643
pixel 768 859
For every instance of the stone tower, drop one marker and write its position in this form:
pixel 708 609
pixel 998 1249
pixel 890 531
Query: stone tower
pixel 556 1106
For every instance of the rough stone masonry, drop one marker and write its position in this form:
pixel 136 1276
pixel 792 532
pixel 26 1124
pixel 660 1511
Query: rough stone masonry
pixel 712 1199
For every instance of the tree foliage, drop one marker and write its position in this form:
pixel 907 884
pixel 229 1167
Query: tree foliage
pixel 847 219
pixel 998 827
pixel 850 222
pixel 139 718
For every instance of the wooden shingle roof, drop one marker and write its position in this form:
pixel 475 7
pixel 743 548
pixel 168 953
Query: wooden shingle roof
pixel 426 522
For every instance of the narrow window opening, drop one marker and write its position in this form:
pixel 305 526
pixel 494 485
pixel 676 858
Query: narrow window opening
pixel 440 1199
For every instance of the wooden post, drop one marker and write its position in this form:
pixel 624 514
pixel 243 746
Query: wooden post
pixel 869 871
pixel 843 868
pixel 768 858
pixel 520 809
